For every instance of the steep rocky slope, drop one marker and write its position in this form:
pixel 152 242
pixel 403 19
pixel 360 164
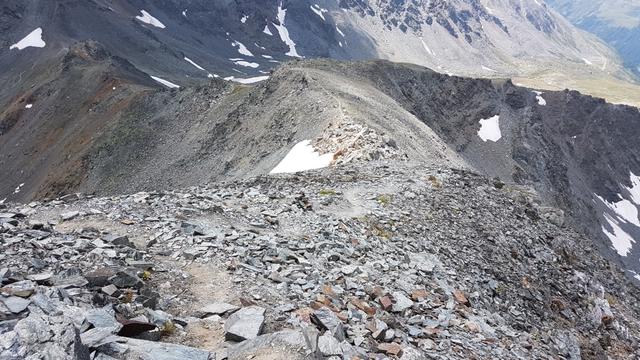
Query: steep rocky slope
pixel 385 259
pixel 578 152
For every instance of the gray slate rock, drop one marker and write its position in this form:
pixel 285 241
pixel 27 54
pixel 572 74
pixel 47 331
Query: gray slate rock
pixel 328 320
pixel 402 302
pixel 103 318
pixel 119 240
pixel 244 324
pixel 291 341
pixel 217 309
pixel 70 215
pixel 149 350
pixel 126 279
pixel 328 345
pixel 15 304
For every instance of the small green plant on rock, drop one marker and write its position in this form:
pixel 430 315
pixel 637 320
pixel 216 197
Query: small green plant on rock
pixel 327 192
pixel 168 328
pixel 384 199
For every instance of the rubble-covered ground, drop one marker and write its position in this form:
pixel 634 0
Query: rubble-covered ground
pixel 365 261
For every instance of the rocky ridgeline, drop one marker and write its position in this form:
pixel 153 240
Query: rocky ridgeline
pixel 380 261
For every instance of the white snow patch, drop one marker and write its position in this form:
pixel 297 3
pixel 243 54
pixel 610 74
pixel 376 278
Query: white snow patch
pixel 244 19
pixel 245 63
pixel 267 56
pixel 340 32
pixel 541 100
pixel 245 81
pixel 319 11
pixel 634 190
pixel 17 190
pixel 241 48
pixel 34 39
pixel 28 106
pixel 427 48
pixel 624 209
pixel 194 64
pixel 620 240
pixel 284 32
pixel 490 129
pixel 267 31
pixel 165 82
pixel 148 19
pixel 586 61
pixel 302 157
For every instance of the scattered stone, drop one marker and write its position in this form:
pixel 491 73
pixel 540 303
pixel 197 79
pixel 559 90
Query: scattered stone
pixel 125 279
pixel 119 240
pixel 402 302
pixel 22 289
pixel 392 349
pixel 293 343
pixel 326 319
pixel 460 297
pixel 217 309
pixel 244 324
pixel 43 278
pixel 191 229
pixel 328 345
pixel 97 337
pixel 100 276
pixel 15 304
pixel 110 290
pixel 69 215
pixel 419 294
pixel 143 349
pixel 386 303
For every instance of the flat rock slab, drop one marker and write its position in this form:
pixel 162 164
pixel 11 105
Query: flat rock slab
pixel 21 288
pixel 150 350
pixel 126 279
pixel 290 342
pixel 217 309
pixel 97 337
pixel 328 320
pixel 244 324
pixel 103 318
pixel 15 304
pixel 329 346
pixel 70 215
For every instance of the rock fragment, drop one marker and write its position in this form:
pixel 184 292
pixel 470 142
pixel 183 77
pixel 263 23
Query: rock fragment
pixel 244 324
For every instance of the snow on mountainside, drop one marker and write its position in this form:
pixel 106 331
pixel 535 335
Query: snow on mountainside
pixel 466 37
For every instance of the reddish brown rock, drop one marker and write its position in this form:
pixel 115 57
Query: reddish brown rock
pixel 386 303
pixel 392 349
pixel 460 297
